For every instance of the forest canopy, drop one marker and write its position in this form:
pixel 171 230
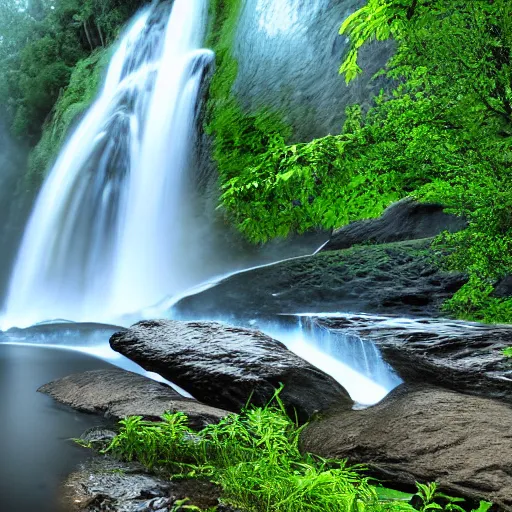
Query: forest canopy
pixel 40 43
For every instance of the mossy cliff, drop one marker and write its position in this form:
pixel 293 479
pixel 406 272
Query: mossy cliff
pixel 72 103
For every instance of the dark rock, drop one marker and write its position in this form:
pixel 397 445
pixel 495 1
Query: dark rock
pixel 404 220
pixel 226 366
pixel 117 394
pixel 504 288
pixel 104 484
pixel 460 441
pixel 398 278
pixel 98 437
pixel 462 356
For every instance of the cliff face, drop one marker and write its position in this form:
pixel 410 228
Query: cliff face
pixel 289 53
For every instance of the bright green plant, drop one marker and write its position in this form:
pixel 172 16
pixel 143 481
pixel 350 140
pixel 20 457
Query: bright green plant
pixel 430 497
pixel 255 458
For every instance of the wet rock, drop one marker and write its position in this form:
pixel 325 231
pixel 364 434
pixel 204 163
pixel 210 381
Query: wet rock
pixel 460 441
pixel 98 437
pixel 404 220
pixel 117 394
pixel 462 356
pixel 398 278
pixel 226 366
pixel 105 484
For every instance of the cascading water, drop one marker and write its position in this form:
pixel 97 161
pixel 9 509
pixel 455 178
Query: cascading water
pixel 110 230
pixel 114 229
pixel 354 362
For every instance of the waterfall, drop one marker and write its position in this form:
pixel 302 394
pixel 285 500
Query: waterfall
pixel 355 363
pixel 111 229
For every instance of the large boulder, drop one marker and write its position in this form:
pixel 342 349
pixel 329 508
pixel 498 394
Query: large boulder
pixel 228 366
pixel 405 220
pixel 397 278
pixel 460 441
pixel 116 393
pixel 462 356
pixel 503 288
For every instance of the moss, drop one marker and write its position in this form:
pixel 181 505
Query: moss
pixel 239 138
pixel 72 103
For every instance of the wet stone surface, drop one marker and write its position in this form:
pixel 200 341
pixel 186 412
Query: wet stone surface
pixel 104 484
pixel 225 366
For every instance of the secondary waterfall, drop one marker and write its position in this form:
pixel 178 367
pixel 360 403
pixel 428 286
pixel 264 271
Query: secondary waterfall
pixel 110 231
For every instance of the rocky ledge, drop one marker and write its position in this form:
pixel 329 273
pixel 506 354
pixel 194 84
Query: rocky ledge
pixel 405 220
pixel 117 394
pixel 227 366
pixel 466 357
pixel 381 266
pixel 399 278
pixel 462 442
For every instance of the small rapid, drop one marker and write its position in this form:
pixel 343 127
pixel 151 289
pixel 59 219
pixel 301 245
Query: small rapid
pixel 355 363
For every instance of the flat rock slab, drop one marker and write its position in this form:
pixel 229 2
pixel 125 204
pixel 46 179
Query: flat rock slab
pixel 104 484
pixel 118 394
pixel 392 279
pixel 462 442
pixel 462 356
pixel 405 220
pixel 228 366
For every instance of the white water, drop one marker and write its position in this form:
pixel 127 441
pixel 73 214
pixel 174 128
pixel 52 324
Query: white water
pixel 355 363
pixel 107 234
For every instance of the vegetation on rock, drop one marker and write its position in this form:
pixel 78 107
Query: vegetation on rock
pixel 443 133
pixel 254 456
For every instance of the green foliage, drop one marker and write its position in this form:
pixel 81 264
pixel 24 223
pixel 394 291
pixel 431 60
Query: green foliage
pixel 430 499
pixel 154 443
pixel 443 134
pixel 240 139
pixel 39 47
pixel 76 98
pixel 255 458
pixel 303 186
pixel 507 352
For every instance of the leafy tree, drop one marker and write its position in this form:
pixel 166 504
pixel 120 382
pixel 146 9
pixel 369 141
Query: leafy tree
pixel 40 43
pixel 442 133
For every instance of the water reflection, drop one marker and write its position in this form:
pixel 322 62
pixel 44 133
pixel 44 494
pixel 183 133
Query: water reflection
pixel 36 454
